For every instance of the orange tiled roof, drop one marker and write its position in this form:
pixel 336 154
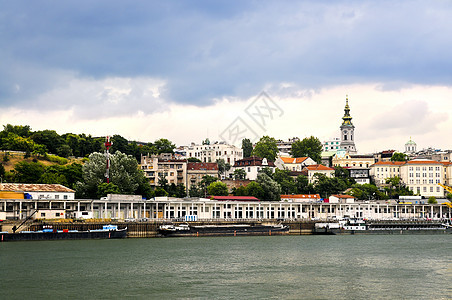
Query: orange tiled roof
pixel 388 163
pixel 291 160
pixel 319 168
pixel 422 162
pixel 343 196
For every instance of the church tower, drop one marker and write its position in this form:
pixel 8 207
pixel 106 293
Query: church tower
pixel 347 131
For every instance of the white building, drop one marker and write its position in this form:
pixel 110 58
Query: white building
pixel 211 152
pixel 293 163
pixel 252 165
pixel 410 147
pixel 310 171
pixel 331 144
pixel 40 191
pixel 158 166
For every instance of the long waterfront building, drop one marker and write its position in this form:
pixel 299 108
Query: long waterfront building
pixel 206 209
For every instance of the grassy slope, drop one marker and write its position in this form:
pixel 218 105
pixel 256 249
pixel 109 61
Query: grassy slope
pixel 14 158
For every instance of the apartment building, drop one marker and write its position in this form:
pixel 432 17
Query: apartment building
pixel 211 152
pixel 196 171
pixel 310 171
pixel 253 165
pixel 164 165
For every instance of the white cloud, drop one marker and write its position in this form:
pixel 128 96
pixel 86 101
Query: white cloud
pixel 383 119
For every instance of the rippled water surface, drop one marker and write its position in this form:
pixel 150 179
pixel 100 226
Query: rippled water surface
pixel 279 267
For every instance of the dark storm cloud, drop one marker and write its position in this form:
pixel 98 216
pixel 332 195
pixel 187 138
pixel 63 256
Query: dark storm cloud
pixel 205 50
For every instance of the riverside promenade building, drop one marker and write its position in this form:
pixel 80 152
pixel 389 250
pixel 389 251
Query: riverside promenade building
pixel 164 208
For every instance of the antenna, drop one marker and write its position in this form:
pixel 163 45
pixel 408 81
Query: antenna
pixel 108 144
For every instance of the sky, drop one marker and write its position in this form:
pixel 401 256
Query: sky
pixel 188 70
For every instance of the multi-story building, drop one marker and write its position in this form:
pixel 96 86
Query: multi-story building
pixel 196 171
pixel 344 159
pixel 293 164
pixel 332 144
pixel 286 147
pixel 211 152
pixel 420 176
pixel 159 166
pixel 360 174
pixel 310 171
pixel 382 170
pixel 384 155
pixel 252 165
pixel 443 156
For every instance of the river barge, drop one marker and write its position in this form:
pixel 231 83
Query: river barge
pixel 107 232
pixel 185 230
pixel 361 226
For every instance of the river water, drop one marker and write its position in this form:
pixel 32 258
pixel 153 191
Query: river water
pixel 268 267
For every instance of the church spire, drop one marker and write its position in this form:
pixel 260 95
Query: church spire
pixel 347 118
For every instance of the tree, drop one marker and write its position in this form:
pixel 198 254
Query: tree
pixel 64 151
pixel 272 190
pixel 239 174
pixel 247 147
pixel 254 189
pixel 164 146
pixel 104 189
pixel 49 138
pixel 399 157
pixel 287 183
pixel 193 159
pixel 217 189
pixel 28 172
pixel 266 148
pixel 2 171
pixel 432 200
pixel 240 191
pixel 310 147
pixel 223 167
pixel 120 144
pixel 124 173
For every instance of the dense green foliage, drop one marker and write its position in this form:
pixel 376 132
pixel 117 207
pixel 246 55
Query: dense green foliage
pixel 266 148
pixel 310 147
pixel 36 172
pixel 124 173
pixel 200 189
pixel 22 138
pixel 247 147
pixel 217 188
pixel 399 157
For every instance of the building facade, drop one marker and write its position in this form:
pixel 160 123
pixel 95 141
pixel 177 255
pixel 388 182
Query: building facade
pixel 310 171
pixel 211 152
pixel 253 165
pixel 293 164
pixel 156 167
pixel 344 159
pixel 196 172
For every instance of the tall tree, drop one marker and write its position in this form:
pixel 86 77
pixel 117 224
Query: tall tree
pixel 124 173
pixel 310 147
pixel 266 148
pixel 164 146
pixel 247 147
pixel 399 157
pixel 28 172
pixel 272 190
pixel 217 189
pixel 223 166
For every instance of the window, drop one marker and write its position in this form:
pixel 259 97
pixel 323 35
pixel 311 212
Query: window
pixel 43 215
pixel 431 189
pixel 65 197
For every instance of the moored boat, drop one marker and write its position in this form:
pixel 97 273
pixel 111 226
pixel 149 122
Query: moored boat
pixel 221 230
pixel 107 232
pixel 361 226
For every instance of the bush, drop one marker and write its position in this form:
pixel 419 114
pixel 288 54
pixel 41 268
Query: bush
pixel 432 200
pixel 57 159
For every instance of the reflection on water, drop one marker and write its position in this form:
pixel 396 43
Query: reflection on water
pixel 289 267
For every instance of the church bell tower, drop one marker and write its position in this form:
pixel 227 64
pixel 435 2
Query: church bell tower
pixel 347 131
